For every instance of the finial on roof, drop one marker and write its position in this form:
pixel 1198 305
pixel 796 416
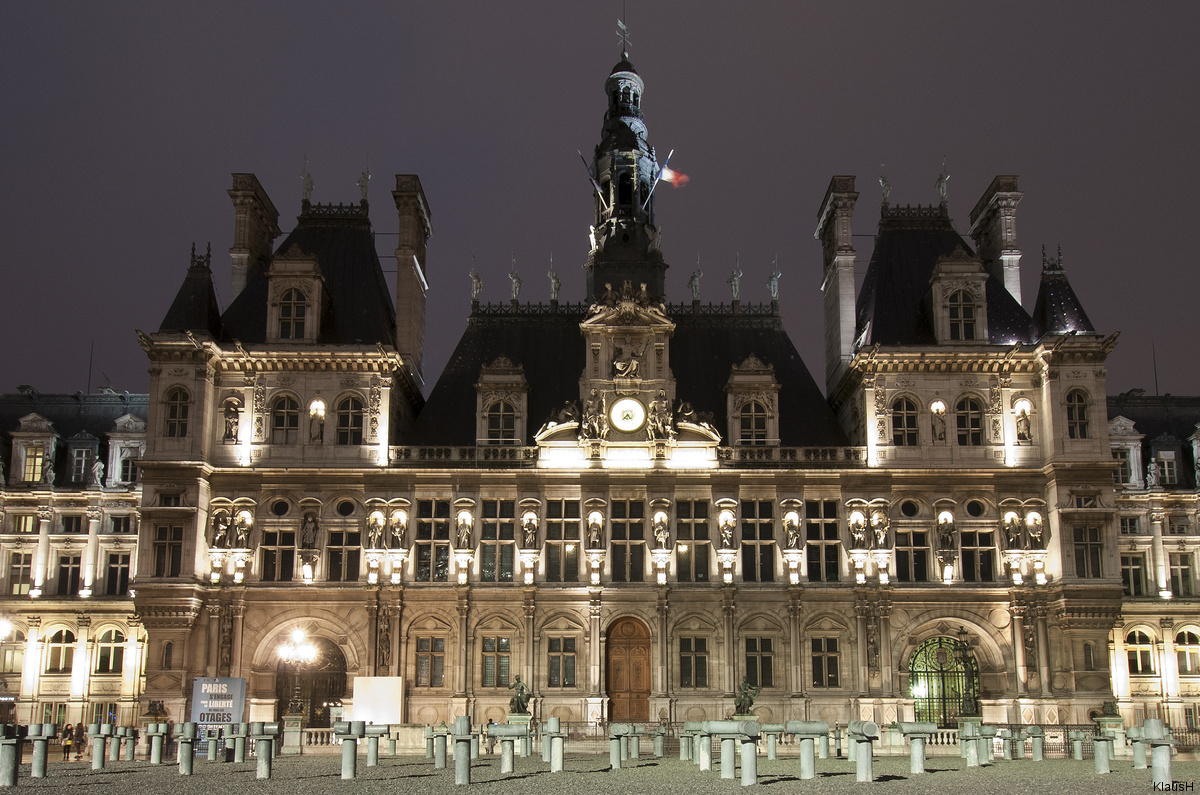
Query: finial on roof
pixel 201 262
pixel 942 179
pixel 306 181
pixel 884 185
pixel 364 179
pixel 1052 264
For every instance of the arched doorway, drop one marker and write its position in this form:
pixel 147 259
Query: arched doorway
pixel 627 671
pixel 322 684
pixel 944 681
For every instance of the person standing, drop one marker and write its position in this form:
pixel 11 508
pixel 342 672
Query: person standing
pixel 68 737
pixel 80 740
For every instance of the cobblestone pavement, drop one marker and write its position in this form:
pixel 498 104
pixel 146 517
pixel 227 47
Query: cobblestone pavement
pixel 589 774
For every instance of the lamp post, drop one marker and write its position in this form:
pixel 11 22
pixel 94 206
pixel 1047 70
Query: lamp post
pixel 297 653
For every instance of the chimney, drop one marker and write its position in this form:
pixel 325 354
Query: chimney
pixel 255 227
pixel 994 230
pixel 411 284
pixel 837 247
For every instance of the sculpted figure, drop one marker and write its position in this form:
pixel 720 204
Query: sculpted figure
pixel 879 525
pixel 773 284
pixel 595 532
pixel 555 283
pixel 516 285
pixel 735 281
pixel 529 528
pixel 694 284
pixel 220 532
pixel 519 703
pixel 662 534
pixel 308 532
pixel 744 699
pixel 375 532
pixel 858 535
pixel 793 534
pixel 398 527
pixel 97 473
pixel 476 284
pixel 232 418
pixel 1012 532
pixel 241 531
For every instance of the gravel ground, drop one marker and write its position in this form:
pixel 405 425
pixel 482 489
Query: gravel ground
pixel 312 774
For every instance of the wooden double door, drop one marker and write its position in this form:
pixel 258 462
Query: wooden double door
pixel 627 671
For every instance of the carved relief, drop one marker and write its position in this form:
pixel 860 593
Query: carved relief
pixel 996 403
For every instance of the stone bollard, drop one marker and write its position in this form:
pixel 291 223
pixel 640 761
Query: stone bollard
pixel 186 732
pixel 439 747
pixel 474 745
pixel 1135 735
pixel 918 734
pixel 157 732
pixel 749 739
pixel 772 730
pixel 349 732
pixel 264 735
pixel 1037 739
pixel 114 741
pixel 635 743
pixel 1006 741
pixel 968 737
pixel 131 738
pixel 808 732
pixel 507 734
pixel 731 733
pixel 1160 751
pixel 687 740
pixel 392 746
pixel 11 748
pixel 41 734
pixel 618 737
pixel 429 742
pixel 374 733
pixel 555 737
pixel 987 744
pixel 462 750
pixel 213 744
pixel 1102 752
pixel 704 758
pixel 862 734
pixel 97 740
pixel 1019 744
pixel 237 732
pixel 1076 739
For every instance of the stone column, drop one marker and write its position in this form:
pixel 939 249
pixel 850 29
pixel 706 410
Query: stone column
pixel 797 667
pixel 1159 562
pixel 530 610
pixel 664 649
pixel 731 657
pixel 1018 641
pixel 90 563
pixel 1043 651
pixel 461 680
pixel 213 613
pixel 861 610
pixel 1170 664
pixel 597 642
pixel 885 645
pixel 1120 662
pixel 42 554
pixel 372 638
pixel 238 612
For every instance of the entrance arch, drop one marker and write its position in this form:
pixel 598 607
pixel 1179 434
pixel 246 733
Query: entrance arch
pixel 944 681
pixel 322 684
pixel 627 671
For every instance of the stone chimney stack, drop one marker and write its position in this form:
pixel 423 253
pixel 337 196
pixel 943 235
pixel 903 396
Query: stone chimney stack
pixel 410 270
pixel 837 246
pixel 255 227
pixel 994 230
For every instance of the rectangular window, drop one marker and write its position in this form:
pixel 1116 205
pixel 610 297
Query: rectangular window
pixel 68 574
pixel 80 458
pixel 35 457
pixel 758 541
pixel 116 578
pixel 170 500
pixel 129 469
pixel 72 524
pixel 693 662
pixel 12 657
pixel 1130 525
pixel 498 547
pixel 25 523
pixel 433 541
pixel 692 542
pixel 760 668
pixel 1177 526
pixel 431 662
pixel 168 550
pixel 560 671
pixel 344 552
pixel 54 713
pixel 1170 475
pixel 122 524
pixel 912 555
pixel 1124 471
pixel 1088 549
pixel 821 533
pixel 20 573
pixel 1133 574
pixel 628 541
pixel 825 662
pixel 279 555
pixel 497 656
pixel 104 712
pixel 1087 501
pixel 979 555
pixel 1181 573
pixel 562 540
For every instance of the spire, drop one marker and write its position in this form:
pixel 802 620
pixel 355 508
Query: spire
pixel 195 305
pixel 624 169
pixel 1058 310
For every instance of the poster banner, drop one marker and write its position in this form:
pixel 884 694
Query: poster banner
pixel 218 700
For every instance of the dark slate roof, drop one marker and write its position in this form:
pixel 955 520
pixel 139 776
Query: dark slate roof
pixel 549 346
pixel 1155 416
pixel 195 305
pixel 624 65
pixel 1058 310
pixel 895 292
pixel 73 416
pixel 358 305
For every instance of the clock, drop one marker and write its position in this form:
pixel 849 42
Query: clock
pixel 627 415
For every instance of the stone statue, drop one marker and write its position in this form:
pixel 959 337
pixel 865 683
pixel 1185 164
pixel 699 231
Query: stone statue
pixel 946 543
pixel 1037 537
pixel 519 703
pixel 476 284
pixel 659 425
pixel 1024 431
pixel 307 181
pixel 308 532
pixel 363 180
pixel 383 641
pixel 97 473
pixel 773 284
pixel 48 469
pixel 726 529
pixel 232 418
pixel 316 428
pixel 694 283
pixel 609 296
pixel 555 282
pixel 529 527
pixel 398 528
pixel 628 362
pixel 464 532
pixel 885 187
pixel 1012 532
pixel 220 536
pixel 1152 475
pixel 942 179
pixel 662 533
pixel 735 282
pixel 595 423
pixel 375 532
pixel 879 525
pixel 858 535
pixel 686 413
pixel 568 413
pixel 516 284
pixel 241 531
pixel 793 534
pixel 744 699
pixel 595 533
pixel 939 427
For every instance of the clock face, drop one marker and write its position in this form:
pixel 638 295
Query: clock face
pixel 627 415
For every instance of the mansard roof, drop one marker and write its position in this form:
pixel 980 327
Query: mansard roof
pixel 195 305
pixel 547 342
pixel 1156 416
pixel 1057 310
pixel 358 305
pixel 892 304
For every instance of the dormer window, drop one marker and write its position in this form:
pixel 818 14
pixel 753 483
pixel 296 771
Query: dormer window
pixel 35 459
pixel 293 309
pixel 285 421
pixel 1077 414
pixel 178 402
pixel 753 423
pixel 501 419
pixel 501 403
pixel 961 309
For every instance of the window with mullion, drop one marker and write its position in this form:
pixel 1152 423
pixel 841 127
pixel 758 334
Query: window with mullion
pixel 1181 573
pixel 285 421
pixel 116 579
pixel 562 540
pixel 961 309
pixel 293 308
pixel 912 555
pixel 693 662
pixel 968 415
pixel 825 662
pixel 692 543
pixel 822 539
pixel 758 541
pixel 628 540
pixel 20 573
pixel 278 555
pixel 904 423
pixel 433 541
pixel 1088 551
pixel 1077 415
pixel 979 555
pixel 350 421
pixel 760 662
pixel 168 550
pixel 1139 650
pixel 1133 574
pixel 497 662
pixel 497 547
pixel 344 554
pixel 431 662
pixel 560 670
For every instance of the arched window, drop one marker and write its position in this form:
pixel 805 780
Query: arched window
pixel 1140 649
pixel 110 652
pixel 168 655
pixel 1089 656
pixel 350 421
pixel 904 423
pixel 285 421
pixel 962 316
pixel 1187 647
pixel 60 652
pixel 501 419
pixel 1077 414
pixel 293 307
pixel 969 417
pixel 12 653
pixel 753 419
pixel 178 401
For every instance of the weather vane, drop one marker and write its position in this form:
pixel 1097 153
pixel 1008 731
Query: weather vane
pixel 623 35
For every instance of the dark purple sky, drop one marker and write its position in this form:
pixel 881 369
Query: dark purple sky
pixel 122 123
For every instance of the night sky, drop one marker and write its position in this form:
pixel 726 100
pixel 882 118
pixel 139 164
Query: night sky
pixel 123 122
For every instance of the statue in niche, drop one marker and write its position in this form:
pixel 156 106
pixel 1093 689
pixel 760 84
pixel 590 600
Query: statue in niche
pixel 662 533
pixel 220 532
pixel 858 535
pixel 375 524
pixel 1012 532
pixel 595 532
pixel 519 703
pixel 233 416
pixel 694 283
pixel 939 427
pixel 476 284
pixel 879 526
pixel 464 530
pixel 97 473
pixel 1024 431
pixel 1037 538
pixel 241 531
pixel 946 543
pixel 529 527
pixel 316 427
pixel 398 528
pixel 744 700
pixel 793 534
pixel 308 532
pixel 628 361
pixel 383 640
pixel 726 530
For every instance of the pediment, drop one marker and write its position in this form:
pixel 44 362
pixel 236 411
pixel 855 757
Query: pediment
pixel 1121 426
pixel 129 423
pixel 626 313
pixel 35 423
